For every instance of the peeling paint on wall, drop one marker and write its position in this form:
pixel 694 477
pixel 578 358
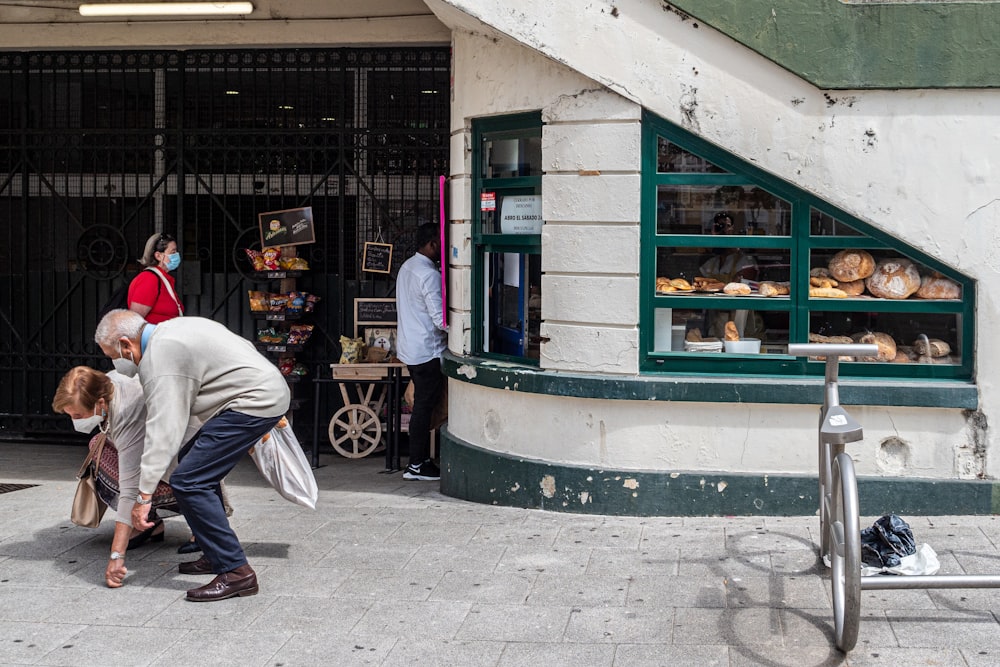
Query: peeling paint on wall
pixel 548 485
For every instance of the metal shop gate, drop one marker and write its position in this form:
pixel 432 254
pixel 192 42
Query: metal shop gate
pixel 98 150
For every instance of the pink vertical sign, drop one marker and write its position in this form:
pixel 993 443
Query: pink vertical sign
pixel 444 257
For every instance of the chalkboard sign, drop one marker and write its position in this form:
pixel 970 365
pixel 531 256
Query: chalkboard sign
pixel 371 312
pixel 377 257
pixel 293 226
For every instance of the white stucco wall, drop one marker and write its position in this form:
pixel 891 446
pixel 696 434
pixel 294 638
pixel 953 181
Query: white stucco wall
pixel 916 164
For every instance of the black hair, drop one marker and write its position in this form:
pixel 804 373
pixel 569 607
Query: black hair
pixel 164 241
pixel 426 233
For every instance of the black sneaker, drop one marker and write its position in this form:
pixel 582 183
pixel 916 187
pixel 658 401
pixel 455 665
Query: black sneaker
pixel 425 472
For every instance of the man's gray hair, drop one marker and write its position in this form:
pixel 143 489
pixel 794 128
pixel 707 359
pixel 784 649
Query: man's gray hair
pixel 118 324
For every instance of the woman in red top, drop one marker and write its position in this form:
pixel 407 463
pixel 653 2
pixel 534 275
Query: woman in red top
pixel 147 293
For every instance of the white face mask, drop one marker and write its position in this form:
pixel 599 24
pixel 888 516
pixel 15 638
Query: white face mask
pixel 126 367
pixel 88 424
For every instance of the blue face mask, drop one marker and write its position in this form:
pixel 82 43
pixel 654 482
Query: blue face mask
pixel 173 261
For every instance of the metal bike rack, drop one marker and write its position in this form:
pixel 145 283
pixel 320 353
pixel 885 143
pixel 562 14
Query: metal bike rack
pixel 839 510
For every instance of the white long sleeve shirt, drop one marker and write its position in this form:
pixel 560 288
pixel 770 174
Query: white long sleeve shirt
pixel 422 335
pixel 127 431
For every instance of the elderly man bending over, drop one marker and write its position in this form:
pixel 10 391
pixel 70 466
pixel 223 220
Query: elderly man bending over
pixel 195 370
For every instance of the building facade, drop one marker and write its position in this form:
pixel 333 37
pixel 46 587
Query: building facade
pixel 589 158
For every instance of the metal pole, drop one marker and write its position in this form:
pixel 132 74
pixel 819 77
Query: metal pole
pixel 896 582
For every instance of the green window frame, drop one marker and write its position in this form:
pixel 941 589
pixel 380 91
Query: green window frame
pixel 492 248
pixel 799 241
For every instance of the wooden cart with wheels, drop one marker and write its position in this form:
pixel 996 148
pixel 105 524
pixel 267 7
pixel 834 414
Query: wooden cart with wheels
pixel 356 430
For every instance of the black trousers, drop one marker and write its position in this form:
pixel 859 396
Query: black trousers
pixel 427 383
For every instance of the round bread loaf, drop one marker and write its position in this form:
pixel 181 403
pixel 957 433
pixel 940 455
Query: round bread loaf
pixel 852 264
pixel 853 287
pixel 938 287
pixel 737 288
pixel 886 345
pixel 895 278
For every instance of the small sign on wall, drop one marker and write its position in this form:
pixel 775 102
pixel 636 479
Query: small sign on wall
pixel 521 214
pixel 377 257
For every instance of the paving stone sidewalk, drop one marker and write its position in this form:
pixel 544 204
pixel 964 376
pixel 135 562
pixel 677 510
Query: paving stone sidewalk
pixel 392 573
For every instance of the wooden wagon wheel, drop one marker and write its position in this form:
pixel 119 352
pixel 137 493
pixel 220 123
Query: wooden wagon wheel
pixel 358 424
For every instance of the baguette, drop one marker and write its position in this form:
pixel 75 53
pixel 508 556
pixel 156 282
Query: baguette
pixel 731 332
pixel 827 293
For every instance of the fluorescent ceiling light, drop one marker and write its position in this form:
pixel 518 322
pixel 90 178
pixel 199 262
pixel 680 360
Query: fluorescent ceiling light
pixel 165 8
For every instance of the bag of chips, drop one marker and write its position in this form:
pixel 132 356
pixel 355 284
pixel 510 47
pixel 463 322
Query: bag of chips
pixel 352 350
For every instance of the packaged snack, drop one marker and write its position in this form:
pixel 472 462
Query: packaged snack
pixel 298 334
pixel 271 256
pixel 300 369
pixel 296 302
pixel 277 303
pixel 286 366
pixel 271 336
pixel 311 301
pixel 256 259
pixel 293 264
pixel 258 301
pixel 351 350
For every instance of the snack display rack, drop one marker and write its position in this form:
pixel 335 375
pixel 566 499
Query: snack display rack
pixel 280 325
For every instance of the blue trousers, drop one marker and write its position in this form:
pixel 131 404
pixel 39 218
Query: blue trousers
pixel 208 457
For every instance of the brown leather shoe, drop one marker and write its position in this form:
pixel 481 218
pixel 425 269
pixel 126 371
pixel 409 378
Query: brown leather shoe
pixel 239 582
pixel 200 566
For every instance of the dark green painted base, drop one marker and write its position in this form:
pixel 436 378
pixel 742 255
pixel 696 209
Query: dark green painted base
pixel 482 476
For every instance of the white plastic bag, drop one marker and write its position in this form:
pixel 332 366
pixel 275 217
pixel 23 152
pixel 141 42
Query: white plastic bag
pixel 925 561
pixel 281 461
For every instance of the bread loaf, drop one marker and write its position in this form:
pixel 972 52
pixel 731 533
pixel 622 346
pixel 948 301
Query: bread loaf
pixel 769 288
pixel 827 293
pixel 819 272
pixel 817 281
pixel 852 287
pixel 886 345
pixel 817 338
pixel 737 288
pixel 901 357
pixel 931 347
pixel 732 333
pixel 895 278
pixel 937 286
pixel 852 264
pixel 680 284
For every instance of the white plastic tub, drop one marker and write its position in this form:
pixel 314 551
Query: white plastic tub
pixel 743 346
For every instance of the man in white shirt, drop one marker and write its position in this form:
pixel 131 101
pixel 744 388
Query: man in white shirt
pixel 422 338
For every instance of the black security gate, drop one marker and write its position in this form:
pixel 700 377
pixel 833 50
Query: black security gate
pixel 98 150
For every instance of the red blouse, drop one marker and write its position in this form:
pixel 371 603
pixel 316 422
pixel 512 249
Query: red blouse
pixel 143 289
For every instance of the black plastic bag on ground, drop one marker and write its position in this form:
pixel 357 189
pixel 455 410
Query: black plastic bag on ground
pixel 886 542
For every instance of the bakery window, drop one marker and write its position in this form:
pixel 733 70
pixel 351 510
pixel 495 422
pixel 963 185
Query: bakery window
pixel 737 264
pixel 507 229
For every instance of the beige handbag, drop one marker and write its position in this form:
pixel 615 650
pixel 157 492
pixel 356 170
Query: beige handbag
pixel 88 508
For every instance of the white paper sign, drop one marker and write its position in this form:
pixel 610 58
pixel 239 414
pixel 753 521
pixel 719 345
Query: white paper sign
pixel 521 214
